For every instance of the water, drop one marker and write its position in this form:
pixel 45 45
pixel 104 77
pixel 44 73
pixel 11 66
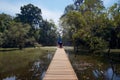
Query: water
pixel 33 71
pixel 108 74
pixel 10 78
pixel 111 75
pixel 88 67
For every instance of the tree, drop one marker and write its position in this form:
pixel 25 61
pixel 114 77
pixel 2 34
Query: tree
pixel 31 15
pixel 5 21
pixel 1 39
pixel 48 33
pixel 114 13
pixel 69 8
pixel 77 3
pixel 16 35
pixel 88 25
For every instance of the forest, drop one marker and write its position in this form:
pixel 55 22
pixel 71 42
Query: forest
pixel 26 29
pixel 88 24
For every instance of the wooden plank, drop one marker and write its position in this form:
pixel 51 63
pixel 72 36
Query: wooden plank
pixel 60 72
pixel 60 67
pixel 60 77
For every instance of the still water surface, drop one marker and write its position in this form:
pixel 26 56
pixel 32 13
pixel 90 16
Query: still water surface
pixel 90 67
pixel 86 67
pixel 34 71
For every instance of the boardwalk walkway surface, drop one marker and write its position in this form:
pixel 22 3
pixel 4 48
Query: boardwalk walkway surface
pixel 60 67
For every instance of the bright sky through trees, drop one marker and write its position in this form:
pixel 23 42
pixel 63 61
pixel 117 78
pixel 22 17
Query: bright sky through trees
pixel 50 9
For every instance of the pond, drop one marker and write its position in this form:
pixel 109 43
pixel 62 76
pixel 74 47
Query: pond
pixel 94 67
pixel 33 71
pixel 86 66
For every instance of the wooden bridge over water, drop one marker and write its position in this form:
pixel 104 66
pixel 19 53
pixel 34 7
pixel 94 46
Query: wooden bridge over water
pixel 60 67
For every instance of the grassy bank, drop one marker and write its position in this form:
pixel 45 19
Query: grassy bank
pixel 12 59
pixel 47 48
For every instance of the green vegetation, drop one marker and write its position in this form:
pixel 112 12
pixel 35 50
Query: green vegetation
pixel 28 63
pixel 51 48
pixel 91 26
pixel 13 59
pixel 87 25
pixel 26 29
pixel 17 59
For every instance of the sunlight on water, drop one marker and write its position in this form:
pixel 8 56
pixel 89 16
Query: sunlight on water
pixel 110 75
pixel 10 78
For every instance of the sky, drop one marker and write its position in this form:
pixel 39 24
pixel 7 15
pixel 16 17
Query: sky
pixel 51 9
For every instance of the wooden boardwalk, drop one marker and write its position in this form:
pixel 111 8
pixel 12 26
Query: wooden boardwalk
pixel 60 67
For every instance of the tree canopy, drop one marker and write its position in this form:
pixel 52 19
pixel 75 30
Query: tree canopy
pixel 92 26
pixel 26 29
pixel 30 14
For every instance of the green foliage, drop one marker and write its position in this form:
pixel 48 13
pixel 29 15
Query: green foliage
pixel 26 29
pixel 114 13
pixel 76 19
pixel 92 25
pixel 16 35
pixel 30 14
pixel 4 22
pixel 49 35
pixel 97 43
pixel 1 39
pixel 41 31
